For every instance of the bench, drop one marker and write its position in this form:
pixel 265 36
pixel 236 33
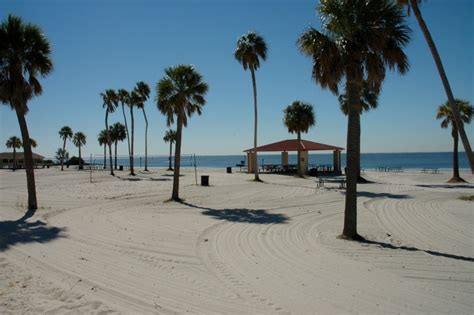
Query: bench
pixel 337 180
pixel 430 170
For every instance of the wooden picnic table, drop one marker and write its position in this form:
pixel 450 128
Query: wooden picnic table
pixel 339 180
pixel 430 170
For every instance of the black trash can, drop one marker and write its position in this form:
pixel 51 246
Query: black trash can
pixel 120 167
pixel 204 180
pixel 81 167
pixel 229 170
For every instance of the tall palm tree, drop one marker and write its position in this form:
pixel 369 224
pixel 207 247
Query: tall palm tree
pixel 457 116
pixel 102 139
pixel 64 133
pixel 299 117
pixel 14 143
pixel 79 140
pixel 360 39
pixel 117 133
pixel 24 51
pixel 143 91
pixel 446 114
pixel 170 136
pixel 110 100
pixel 251 47
pixel 124 98
pixel 133 102
pixel 180 94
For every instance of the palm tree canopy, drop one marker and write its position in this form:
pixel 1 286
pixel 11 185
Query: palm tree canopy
pixel 13 142
pixel 24 51
pixel 118 132
pixel 102 137
pixel 65 133
pixel 368 100
pixel 299 117
pixel 142 90
pixel 361 38
pixel 123 96
pixel 250 48
pixel 33 143
pixel 181 93
pixel 445 113
pixel 110 99
pixel 170 136
pixel 79 139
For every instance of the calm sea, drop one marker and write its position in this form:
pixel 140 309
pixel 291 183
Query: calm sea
pixel 441 160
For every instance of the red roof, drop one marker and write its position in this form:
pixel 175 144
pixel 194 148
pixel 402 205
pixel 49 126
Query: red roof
pixel 292 145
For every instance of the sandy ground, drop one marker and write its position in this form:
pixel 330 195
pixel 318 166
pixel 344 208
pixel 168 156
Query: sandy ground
pixel 115 245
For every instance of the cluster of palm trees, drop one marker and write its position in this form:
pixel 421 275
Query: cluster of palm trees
pixel 117 132
pixel 133 99
pixel 15 143
pixel 359 41
pixel 79 139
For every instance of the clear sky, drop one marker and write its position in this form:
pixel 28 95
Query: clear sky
pixel 113 44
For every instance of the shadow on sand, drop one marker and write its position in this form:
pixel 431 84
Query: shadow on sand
pixel 414 249
pixel 20 231
pixel 448 186
pixel 242 215
pixel 381 195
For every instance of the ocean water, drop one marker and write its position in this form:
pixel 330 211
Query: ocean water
pixel 407 161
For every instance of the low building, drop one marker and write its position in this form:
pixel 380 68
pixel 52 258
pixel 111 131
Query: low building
pixel 6 160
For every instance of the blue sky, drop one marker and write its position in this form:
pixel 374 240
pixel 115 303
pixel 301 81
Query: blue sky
pixel 113 44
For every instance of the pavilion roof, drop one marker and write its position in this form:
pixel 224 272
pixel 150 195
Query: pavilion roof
pixel 293 144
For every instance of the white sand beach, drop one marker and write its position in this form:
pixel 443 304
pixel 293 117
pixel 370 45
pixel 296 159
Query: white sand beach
pixel 115 246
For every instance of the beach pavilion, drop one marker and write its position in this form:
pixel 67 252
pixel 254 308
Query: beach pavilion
pixel 292 145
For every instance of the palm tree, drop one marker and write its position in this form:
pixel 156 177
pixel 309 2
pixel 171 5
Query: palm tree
pixel 110 100
pixel 102 138
pixel 179 95
pixel 124 98
pixel 457 116
pixel 133 102
pixel 360 39
pixel 446 114
pixel 170 136
pixel 33 143
pixel 143 91
pixel 14 143
pixel 299 117
pixel 368 100
pixel 79 140
pixel 62 154
pixel 250 48
pixel 117 133
pixel 24 51
pixel 65 133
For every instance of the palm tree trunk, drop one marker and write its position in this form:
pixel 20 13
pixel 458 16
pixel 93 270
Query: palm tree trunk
pixel 116 154
pixel 177 160
pixel 109 144
pixel 105 156
pixel 300 173
pixel 254 85
pixel 171 154
pixel 456 177
pixel 353 89
pixel 146 139
pixel 80 159
pixel 126 129
pixel 14 158
pixel 444 79
pixel 62 158
pixel 132 172
pixel 28 160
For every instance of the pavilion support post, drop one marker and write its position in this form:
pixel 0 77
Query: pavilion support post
pixel 337 160
pixel 251 162
pixel 304 162
pixel 284 159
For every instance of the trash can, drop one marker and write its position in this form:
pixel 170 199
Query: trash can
pixel 81 167
pixel 204 180
pixel 121 168
pixel 229 170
